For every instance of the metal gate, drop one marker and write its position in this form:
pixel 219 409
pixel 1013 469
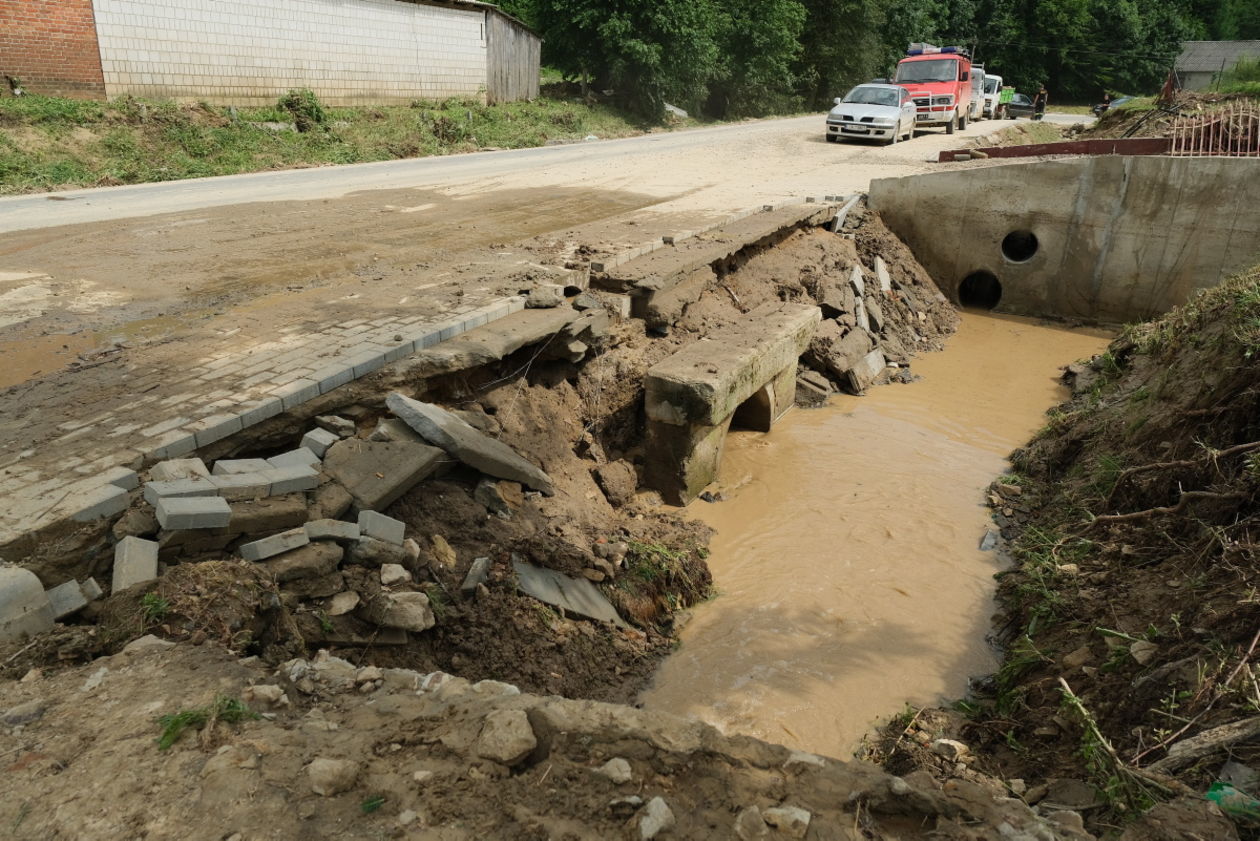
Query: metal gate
pixel 1229 129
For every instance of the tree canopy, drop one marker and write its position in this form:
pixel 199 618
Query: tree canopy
pixel 747 57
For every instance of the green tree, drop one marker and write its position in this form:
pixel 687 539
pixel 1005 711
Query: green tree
pixel 759 42
pixel 841 46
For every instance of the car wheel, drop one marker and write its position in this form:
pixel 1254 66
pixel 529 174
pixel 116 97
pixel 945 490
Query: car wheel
pixel 892 140
pixel 831 138
pixel 949 127
pixel 962 123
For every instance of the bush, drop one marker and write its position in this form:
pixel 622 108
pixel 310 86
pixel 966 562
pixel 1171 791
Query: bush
pixel 305 108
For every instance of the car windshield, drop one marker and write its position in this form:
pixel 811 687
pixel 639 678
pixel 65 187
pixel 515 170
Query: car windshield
pixel 990 85
pixel 872 96
pixel 1021 99
pixel 933 70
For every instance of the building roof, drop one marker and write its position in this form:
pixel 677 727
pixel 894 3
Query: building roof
pixel 477 4
pixel 1214 56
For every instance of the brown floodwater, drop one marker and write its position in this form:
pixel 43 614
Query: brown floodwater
pixel 847 563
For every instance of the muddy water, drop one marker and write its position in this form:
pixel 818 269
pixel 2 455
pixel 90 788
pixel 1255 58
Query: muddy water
pixel 847 563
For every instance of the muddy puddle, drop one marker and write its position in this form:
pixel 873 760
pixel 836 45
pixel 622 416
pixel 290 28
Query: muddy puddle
pixel 847 563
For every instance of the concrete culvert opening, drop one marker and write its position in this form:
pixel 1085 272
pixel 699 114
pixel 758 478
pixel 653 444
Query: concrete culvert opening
pixel 1019 246
pixel 981 290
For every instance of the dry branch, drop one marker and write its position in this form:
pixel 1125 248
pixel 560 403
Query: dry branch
pixel 1205 744
pixel 1186 498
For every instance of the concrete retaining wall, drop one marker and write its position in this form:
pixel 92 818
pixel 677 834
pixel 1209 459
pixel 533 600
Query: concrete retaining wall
pixel 1117 238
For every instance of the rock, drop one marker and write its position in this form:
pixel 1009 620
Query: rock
pixel 614 553
pixel 951 750
pixel 371 552
pixel 654 818
pixel 377 473
pixel 866 372
pixel 181 468
pixel 309 561
pixel 488 494
pixel 616 769
pixel 269 693
pixel 442 552
pixel 1069 820
pixel 506 737
pixel 477 574
pixel 337 425
pixel 315 587
pixel 24 606
pixel 392 574
pixel 792 821
pixel 413 552
pixel 587 301
pixel 407 817
pixel 24 713
pixel 544 296
pixel 593 575
pixel 874 314
pixel 750 826
pixel 1071 794
pixel 329 501
pixel 835 352
pixel 405 611
pixel 342 603
pixel 148 642
pixel 1143 651
pixel 1077 658
pixel 263 516
pixel 338 530
pixel 619 482
pixel 488 455
pixel 137 522
pixel 332 776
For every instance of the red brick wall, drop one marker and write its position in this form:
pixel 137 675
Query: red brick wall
pixel 50 45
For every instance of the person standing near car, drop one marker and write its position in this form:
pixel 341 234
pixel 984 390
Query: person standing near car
pixel 1040 101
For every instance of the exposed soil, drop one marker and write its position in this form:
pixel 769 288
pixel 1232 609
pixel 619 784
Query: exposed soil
pixel 1129 620
pixel 1157 121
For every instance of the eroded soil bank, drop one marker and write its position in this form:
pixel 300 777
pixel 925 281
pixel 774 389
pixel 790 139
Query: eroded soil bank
pixel 846 558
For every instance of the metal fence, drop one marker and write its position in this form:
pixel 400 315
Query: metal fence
pixel 1229 129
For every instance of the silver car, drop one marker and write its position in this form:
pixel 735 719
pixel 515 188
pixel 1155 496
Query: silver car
pixel 871 111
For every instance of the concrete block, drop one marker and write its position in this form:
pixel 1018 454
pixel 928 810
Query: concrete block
pixel 153 491
pixel 373 524
pixel 867 371
pixel 319 440
pixel 208 430
pixel 287 480
pixel 228 466
pixel 66 599
pixel 96 503
pixel 121 477
pixel 333 377
pixel 242 486
pixel 310 561
pixel 276 544
pixel 297 392
pixel 182 468
pixel 173 445
pixel 302 456
pixel 376 473
pixel 261 410
pixel 24 606
pixel 882 276
pixel 332 530
pixel 194 512
pixel 136 560
pixel 857 280
pixel 337 425
pixel 276 513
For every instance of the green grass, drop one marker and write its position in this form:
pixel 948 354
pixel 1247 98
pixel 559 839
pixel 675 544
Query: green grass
pixel 224 708
pixel 48 142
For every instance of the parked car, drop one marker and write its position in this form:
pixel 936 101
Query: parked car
pixel 872 112
pixel 1021 105
pixel 1103 107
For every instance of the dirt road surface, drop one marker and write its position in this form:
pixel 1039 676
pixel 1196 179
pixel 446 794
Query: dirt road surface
pixel 130 315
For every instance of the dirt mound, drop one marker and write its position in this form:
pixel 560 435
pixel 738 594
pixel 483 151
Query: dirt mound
pixel 1130 620
pixel 1156 120
pixel 216 747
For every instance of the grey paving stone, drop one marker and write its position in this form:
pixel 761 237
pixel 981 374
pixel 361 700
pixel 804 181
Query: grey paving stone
pixel 215 428
pixel 301 457
pixel 66 599
pixel 276 544
pixel 318 441
pixel 230 466
pixel 298 392
pixel 95 503
pixel 153 491
pixel 121 477
pixel 332 530
pixel 286 480
pixel 183 468
pixel 135 561
pixel 196 512
pixel 242 486
pixel 377 525
pixel 266 408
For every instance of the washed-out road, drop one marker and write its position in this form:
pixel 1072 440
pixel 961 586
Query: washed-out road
pixel 130 314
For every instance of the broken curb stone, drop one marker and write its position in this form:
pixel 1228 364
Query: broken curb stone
pixel 195 512
pixel 301 457
pixel 274 545
pixel 24 606
pixel 179 468
pixel 337 425
pixel 66 599
pixel 378 526
pixel 491 456
pixel 332 530
pixel 319 440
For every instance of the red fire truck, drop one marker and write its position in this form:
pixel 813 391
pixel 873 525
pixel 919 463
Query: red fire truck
pixel 939 82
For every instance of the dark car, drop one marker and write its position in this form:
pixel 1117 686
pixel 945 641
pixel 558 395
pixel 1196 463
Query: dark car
pixel 1103 107
pixel 1019 106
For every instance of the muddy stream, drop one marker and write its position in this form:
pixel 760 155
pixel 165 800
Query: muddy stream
pixel 847 563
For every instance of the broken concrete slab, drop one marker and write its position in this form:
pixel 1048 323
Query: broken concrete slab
pixel 477 574
pixel 857 281
pixel 874 314
pixel 194 512
pixel 491 342
pixel 135 562
pixel 180 468
pixel 276 544
pixel 287 480
pixel 24 606
pixel 491 456
pixel 706 381
pixel 859 312
pixel 662 308
pixel 867 371
pixel 301 457
pixel 368 551
pixel 881 275
pixel 196 486
pixel 337 425
pixel 377 473
pixel 665 267
pixel 575 595
pixel 332 530
pixel 276 513
pixel 242 486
